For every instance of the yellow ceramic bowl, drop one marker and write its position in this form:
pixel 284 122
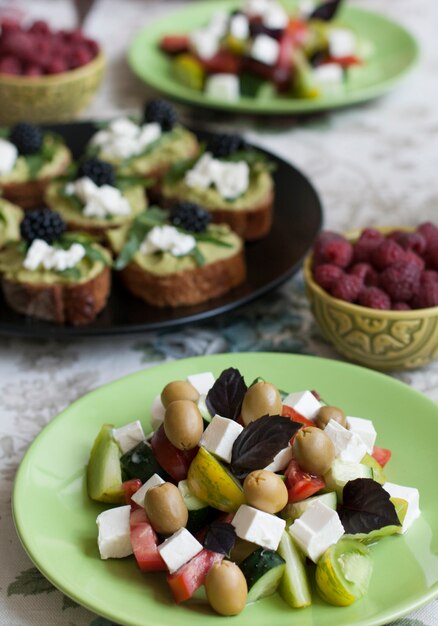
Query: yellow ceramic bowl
pixel 383 340
pixel 55 98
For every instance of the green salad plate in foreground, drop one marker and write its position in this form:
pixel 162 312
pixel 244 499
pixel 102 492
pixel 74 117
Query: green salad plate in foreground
pixel 57 522
pixel 393 52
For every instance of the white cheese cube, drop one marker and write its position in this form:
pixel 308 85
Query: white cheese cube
pixel 114 538
pixel 8 156
pixel 239 27
pixel 178 549
pixel 157 412
pixel 265 49
pixel 363 429
pixel 348 445
pixel 342 42
pixel 412 497
pixel 139 495
pixel 280 460
pixel 328 74
pixel 202 382
pixel 259 527
pixel 275 17
pixel 303 402
pixel 128 436
pixel 204 43
pixel 219 437
pixel 318 528
pixel 225 86
pixel 218 24
pixel 256 7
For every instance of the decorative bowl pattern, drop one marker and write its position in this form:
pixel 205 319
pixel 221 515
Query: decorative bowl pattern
pixel 55 98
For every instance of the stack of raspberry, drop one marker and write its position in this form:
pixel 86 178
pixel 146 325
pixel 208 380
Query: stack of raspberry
pixel 36 49
pixel 398 271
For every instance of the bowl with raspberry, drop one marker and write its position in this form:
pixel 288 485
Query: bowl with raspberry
pixel 46 75
pixel 374 294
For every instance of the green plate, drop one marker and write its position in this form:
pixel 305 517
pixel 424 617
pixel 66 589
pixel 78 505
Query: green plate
pixel 56 521
pixel 395 52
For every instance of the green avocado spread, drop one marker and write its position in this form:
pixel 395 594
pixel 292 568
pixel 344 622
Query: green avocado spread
pixel 51 161
pixel 10 218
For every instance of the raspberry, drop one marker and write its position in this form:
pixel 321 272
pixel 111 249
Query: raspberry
pixel 401 280
pixel 57 66
pixel 223 146
pixel 426 297
pixel 42 224
pixel 410 256
pixel 374 298
pixel 93 47
pixel 366 273
pixel 162 112
pixel 10 65
pixel 336 251
pixel 387 253
pixel 412 241
pixel 432 258
pixel 429 276
pixel 347 288
pixel 33 70
pixel 80 56
pixel 326 275
pixel 430 233
pixel 190 216
pixel 19 45
pixel 369 239
pixel 100 172
pixel 320 241
pixel 401 306
pixel 40 27
pixel 9 25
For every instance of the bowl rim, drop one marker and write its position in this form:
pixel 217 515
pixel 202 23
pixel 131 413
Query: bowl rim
pixel 350 307
pixel 50 79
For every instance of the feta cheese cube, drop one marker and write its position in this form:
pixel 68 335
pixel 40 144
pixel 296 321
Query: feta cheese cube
pixel 239 27
pixel 204 43
pixel 303 402
pixel 256 7
pixel 265 49
pixel 8 156
pixel 328 74
pixel 412 497
pixel 202 382
pixel 128 436
pixel 342 42
pixel 225 86
pixel 280 460
pixel 275 17
pixel 363 429
pixel 157 412
pixel 178 549
pixel 219 437
pixel 114 538
pixel 318 528
pixel 218 24
pixel 259 527
pixel 348 445
pixel 139 495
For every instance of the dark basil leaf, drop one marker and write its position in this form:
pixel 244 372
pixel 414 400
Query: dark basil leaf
pixel 259 442
pixel 366 507
pixel 326 11
pixel 220 537
pixel 226 396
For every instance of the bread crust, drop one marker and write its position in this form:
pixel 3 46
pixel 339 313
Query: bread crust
pixel 188 287
pixel 76 303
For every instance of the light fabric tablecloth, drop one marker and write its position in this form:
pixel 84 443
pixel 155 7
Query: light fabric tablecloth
pixel 374 164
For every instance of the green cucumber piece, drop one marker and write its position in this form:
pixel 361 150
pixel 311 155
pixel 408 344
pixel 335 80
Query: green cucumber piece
pixel 343 471
pixel 202 406
pixel 263 570
pixel 294 510
pixel 141 463
pixel 192 502
pixel 200 513
pixel 104 474
pixel 378 473
pixel 294 586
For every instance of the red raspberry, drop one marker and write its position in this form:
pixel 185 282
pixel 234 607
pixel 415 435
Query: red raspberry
pixel 322 239
pixel 430 233
pixel 412 241
pixel 414 258
pixel 19 45
pixel 387 253
pixel 10 65
pixel 347 288
pixel 33 70
pixel 40 27
pixel 366 273
pixel 429 276
pixel 80 56
pixel 374 298
pixel 337 251
pixel 326 275
pixel 401 306
pixel 9 25
pixel 93 47
pixel 369 239
pixel 57 66
pixel 432 258
pixel 401 280
pixel 426 297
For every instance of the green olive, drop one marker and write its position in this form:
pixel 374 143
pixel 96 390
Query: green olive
pixel 261 399
pixel 183 424
pixel 165 508
pixel 327 413
pixel 313 450
pixel 226 588
pixel 265 491
pixel 178 390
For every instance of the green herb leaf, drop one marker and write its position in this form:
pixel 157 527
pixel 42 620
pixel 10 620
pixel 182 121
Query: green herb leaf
pixel 73 200
pixel 72 272
pixel 366 506
pixel 198 256
pixel 94 254
pixel 210 239
pixel 129 249
pixel 4 132
pixel 178 170
pixel 2 218
pixel 226 396
pixel 125 182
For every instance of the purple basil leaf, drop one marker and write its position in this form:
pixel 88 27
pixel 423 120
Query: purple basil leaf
pixel 326 11
pixel 226 396
pixel 366 506
pixel 220 537
pixel 259 442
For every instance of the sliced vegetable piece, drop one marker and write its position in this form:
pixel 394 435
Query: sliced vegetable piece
pixel 129 488
pixel 141 463
pixel 343 572
pixel 189 71
pixel 301 485
pixel 288 411
pixel 144 543
pixel 185 581
pixel 223 62
pixel 104 474
pixel 401 508
pixel 294 510
pixel 294 586
pixel 174 44
pixel 382 455
pixel 378 474
pixel 341 472
pixel 176 462
pixel 263 570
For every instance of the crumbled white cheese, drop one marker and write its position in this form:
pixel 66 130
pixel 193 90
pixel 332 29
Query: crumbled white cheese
pixel 265 49
pixel 8 156
pixel 239 27
pixel 231 179
pixel 328 74
pixel 167 239
pixel 123 139
pixel 100 202
pixel 342 42
pixel 218 24
pixel 224 86
pixel 41 254
pixel 204 43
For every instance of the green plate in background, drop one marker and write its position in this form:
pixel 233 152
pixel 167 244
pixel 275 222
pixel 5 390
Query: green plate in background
pixel 395 52
pixel 56 521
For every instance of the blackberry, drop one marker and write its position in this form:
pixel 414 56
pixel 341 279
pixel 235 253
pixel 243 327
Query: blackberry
pixel 190 216
pixel 223 146
pixel 100 172
pixel 42 224
pixel 162 112
pixel 28 138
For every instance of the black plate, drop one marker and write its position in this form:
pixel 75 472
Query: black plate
pixel 297 220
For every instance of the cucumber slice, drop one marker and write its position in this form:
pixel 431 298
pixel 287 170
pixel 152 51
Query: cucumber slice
pixel 263 570
pixel 341 472
pixel 378 473
pixel 294 510
pixel 104 474
pixel 294 586
pixel 192 502
pixel 141 463
pixel 200 513
pixel 202 406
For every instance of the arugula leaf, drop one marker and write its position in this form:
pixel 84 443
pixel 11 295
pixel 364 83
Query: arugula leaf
pixel 326 11
pixel 178 169
pixel 94 254
pixel 35 162
pixel 129 249
pixel 366 506
pixel 210 239
pixel 146 150
pixel 73 200
pixel 2 218
pixel 125 182
pixel 226 396
pixel 72 272
pixel 220 537
pixel 198 256
pixel 91 252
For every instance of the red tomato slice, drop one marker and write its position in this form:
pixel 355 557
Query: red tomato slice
pixel 347 61
pixel 288 411
pixel 144 543
pixel 299 31
pixel 176 462
pixel 174 44
pixel 185 581
pixel 223 62
pixel 301 485
pixel 130 487
pixel 382 455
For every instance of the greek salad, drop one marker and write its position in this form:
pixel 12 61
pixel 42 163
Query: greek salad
pixel 239 489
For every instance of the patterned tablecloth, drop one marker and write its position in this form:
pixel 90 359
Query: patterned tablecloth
pixel 374 164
